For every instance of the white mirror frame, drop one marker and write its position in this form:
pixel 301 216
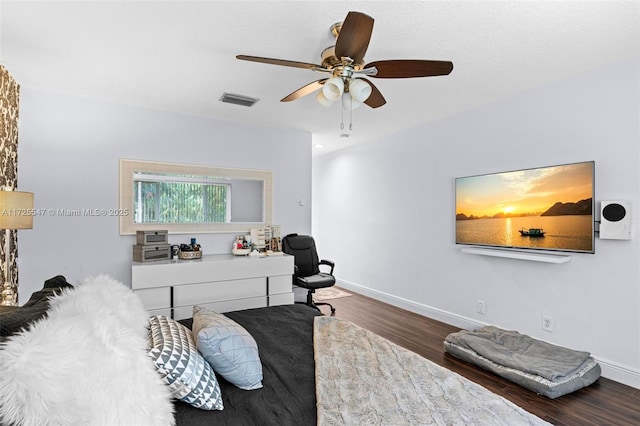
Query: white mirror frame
pixel 129 227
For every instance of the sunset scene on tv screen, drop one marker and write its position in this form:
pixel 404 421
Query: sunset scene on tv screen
pixel 523 193
pixel 549 208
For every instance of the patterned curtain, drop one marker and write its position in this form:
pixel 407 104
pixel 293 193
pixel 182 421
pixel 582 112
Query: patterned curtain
pixel 9 99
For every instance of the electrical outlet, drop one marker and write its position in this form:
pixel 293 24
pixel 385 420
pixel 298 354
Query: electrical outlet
pixel 481 307
pixel 547 323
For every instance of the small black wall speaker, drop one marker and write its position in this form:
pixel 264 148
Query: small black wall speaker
pixel 615 220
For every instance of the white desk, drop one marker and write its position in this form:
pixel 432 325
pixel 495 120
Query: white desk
pixel 219 282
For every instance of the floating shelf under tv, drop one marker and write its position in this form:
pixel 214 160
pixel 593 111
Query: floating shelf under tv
pixel 513 254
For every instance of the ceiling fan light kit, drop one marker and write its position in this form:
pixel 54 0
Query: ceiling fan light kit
pixel 349 103
pixel 359 89
pixel 333 88
pixel 345 62
pixel 322 99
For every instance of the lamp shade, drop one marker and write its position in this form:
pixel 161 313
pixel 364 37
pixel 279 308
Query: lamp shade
pixel 16 210
pixel 359 90
pixel 333 88
pixel 322 99
pixel 349 102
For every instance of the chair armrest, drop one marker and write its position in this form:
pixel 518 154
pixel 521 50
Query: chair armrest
pixel 328 263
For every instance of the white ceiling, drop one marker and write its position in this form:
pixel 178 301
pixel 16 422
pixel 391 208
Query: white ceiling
pixel 180 55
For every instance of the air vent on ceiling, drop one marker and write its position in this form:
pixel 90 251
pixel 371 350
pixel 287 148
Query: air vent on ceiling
pixel 232 98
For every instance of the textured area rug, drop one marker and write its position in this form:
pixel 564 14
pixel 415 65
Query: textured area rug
pixel 364 379
pixel 330 293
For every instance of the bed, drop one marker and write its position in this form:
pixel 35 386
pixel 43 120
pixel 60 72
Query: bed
pixel 284 336
pixel 314 370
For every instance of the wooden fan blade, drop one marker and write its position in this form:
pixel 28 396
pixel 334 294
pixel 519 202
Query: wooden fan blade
pixel 304 90
pixel 408 68
pixel 375 99
pixel 282 62
pixel 354 36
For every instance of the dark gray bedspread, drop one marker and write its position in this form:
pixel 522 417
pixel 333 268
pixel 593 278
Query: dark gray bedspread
pixel 284 335
pixel 16 318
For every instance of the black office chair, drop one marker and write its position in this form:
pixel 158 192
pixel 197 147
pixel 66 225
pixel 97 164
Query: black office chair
pixel 307 266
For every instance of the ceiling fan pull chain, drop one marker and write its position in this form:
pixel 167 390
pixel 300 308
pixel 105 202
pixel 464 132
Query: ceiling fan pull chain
pixel 342 116
pixel 350 112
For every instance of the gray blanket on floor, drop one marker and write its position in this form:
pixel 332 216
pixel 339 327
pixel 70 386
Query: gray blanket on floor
pixel 521 352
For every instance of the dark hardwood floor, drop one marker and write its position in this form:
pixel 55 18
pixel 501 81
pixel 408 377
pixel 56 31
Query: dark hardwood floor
pixel 603 403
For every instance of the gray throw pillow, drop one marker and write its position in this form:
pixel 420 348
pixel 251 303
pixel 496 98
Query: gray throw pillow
pixel 228 348
pixel 176 358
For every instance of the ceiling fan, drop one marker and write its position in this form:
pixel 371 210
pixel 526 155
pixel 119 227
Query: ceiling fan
pixel 345 63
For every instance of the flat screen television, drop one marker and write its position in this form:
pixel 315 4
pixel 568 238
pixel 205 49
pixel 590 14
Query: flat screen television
pixel 546 208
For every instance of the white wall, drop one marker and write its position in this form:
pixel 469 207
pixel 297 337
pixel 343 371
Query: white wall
pixel 69 151
pixel 384 212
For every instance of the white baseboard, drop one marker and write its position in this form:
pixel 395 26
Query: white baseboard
pixel 419 308
pixel 619 373
pixel 611 370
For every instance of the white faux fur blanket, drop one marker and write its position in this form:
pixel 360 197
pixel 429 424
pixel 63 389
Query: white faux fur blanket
pixel 364 379
pixel 86 364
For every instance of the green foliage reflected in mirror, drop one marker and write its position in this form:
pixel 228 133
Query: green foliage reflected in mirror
pixel 192 198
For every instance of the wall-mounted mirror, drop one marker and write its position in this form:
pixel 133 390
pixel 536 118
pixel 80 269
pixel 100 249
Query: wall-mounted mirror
pixel 184 198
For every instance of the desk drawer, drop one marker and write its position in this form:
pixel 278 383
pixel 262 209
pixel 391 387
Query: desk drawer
pixel 281 299
pixel 155 298
pixel 183 312
pixel 280 284
pixel 198 294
